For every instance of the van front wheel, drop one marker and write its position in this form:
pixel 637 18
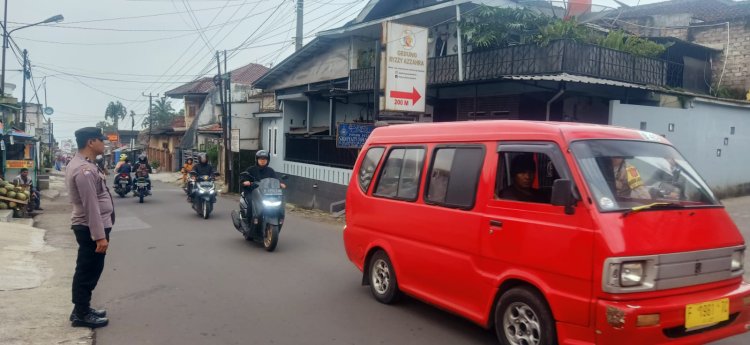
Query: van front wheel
pixel 523 317
pixel 383 282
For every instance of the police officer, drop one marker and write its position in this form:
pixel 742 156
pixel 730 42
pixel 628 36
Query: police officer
pixel 92 220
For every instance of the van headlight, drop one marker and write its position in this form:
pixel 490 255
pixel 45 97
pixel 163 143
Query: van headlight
pixel 623 275
pixel 738 260
pixel 631 273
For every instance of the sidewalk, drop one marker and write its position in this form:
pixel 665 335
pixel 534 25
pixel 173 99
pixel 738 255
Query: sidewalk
pixel 36 266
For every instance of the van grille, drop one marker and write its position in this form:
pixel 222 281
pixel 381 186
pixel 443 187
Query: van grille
pixel 694 268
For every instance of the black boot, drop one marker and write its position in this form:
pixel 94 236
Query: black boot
pixel 96 312
pixel 89 320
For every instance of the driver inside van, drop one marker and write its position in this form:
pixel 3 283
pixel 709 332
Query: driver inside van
pixel 522 172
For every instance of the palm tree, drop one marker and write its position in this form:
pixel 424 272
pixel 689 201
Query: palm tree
pixel 162 114
pixel 115 111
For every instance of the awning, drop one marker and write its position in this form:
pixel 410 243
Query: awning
pixel 564 77
pixel 303 130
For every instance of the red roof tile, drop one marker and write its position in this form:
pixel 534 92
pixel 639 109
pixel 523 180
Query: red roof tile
pixel 247 75
pixel 200 86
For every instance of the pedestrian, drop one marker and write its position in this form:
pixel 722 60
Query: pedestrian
pixel 92 220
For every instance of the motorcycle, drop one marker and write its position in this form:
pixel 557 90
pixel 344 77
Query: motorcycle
pixel 141 188
pixel 122 184
pixel 203 194
pixel 261 221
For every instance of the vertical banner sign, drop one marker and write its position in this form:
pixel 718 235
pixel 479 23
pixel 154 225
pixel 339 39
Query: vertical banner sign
pixel 235 140
pixel 405 67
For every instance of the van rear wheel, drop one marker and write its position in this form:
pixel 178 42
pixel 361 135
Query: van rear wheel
pixel 383 283
pixel 522 317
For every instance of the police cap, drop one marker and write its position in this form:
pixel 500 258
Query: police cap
pixel 87 133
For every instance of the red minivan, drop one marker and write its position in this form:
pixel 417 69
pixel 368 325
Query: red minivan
pixel 547 232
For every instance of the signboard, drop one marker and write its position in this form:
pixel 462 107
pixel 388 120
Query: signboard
pixel 19 164
pixel 235 140
pixel 353 135
pixel 113 137
pixel 49 111
pixel 405 67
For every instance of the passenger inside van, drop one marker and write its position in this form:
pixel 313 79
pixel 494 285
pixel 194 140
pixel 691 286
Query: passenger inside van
pixel 522 172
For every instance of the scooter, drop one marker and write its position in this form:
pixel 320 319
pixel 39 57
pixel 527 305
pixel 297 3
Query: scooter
pixel 141 188
pixel 204 194
pixel 261 221
pixel 122 184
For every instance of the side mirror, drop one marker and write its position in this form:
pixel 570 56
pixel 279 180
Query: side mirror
pixel 562 195
pixel 284 177
pixel 217 174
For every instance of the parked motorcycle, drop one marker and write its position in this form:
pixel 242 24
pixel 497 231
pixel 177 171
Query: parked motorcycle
pixel 122 184
pixel 261 221
pixel 204 194
pixel 141 188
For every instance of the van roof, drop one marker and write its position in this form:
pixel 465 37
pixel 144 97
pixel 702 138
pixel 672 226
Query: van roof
pixel 512 129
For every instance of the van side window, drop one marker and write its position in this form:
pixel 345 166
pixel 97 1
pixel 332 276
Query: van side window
pixel 369 164
pixel 454 175
pixel 525 176
pixel 399 178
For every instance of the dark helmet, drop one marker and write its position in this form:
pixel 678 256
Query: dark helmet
pixel 262 154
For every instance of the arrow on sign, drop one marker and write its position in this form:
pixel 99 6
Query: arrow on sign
pixel 414 95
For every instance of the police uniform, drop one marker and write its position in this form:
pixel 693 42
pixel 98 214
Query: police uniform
pixel 92 219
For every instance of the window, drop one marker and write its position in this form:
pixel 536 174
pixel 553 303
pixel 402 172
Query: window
pixel 369 164
pixel 454 176
pixel 269 140
pixel 525 177
pixel 275 142
pixel 399 178
pixel 626 174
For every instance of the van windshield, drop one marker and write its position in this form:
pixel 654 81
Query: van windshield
pixel 628 175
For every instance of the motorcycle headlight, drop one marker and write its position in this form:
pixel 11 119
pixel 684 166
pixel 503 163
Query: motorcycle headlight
pixel 269 203
pixel 212 192
pixel 738 260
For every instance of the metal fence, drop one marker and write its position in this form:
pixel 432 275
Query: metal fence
pixel 319 150
pixel 361 79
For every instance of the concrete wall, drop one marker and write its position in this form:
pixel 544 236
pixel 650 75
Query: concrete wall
pixel 736 73
pixel 699 132
pixel 242 118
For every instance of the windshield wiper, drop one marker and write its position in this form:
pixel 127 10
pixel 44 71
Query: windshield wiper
pixel 655 205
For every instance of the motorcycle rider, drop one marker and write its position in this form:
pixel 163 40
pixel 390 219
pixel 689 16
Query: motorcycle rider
pixel 124 168
pixel 203 168
pixel 260 170
pixel 257 172
pixel 142 169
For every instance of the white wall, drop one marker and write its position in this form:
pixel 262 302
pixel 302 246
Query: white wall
pixel 295 112
pixel 699 131
pixel 242 118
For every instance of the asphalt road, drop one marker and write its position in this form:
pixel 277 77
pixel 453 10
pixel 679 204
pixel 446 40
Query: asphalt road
pixel 172 277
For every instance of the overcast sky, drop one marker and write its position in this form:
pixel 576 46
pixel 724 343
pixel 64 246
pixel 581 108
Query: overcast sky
pixel 101 53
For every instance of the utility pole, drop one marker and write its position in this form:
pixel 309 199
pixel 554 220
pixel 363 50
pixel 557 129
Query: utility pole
pixel 132 140
pixel 5 44
pixel 228 98
pixel 23 99
pixel 300 14
pixel 219 82
pixel 150 118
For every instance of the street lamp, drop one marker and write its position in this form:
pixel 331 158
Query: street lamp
pixel 6 36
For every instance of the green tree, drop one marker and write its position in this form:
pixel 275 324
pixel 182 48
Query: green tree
pixel 162 114
pixel 491 27
pixel 115 111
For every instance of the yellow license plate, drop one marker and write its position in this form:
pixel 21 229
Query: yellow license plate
pixel 706 313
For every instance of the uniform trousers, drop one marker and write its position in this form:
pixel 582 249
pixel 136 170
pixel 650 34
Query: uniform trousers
pixel 89 267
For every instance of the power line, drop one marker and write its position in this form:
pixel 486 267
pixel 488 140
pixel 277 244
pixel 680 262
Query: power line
pixel 106 43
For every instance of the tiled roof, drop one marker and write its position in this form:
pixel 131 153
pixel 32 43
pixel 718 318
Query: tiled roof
pixel 705 10
pixel 247 75
pixel 200 86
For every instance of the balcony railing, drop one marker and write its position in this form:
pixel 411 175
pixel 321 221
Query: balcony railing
pixel 557 57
